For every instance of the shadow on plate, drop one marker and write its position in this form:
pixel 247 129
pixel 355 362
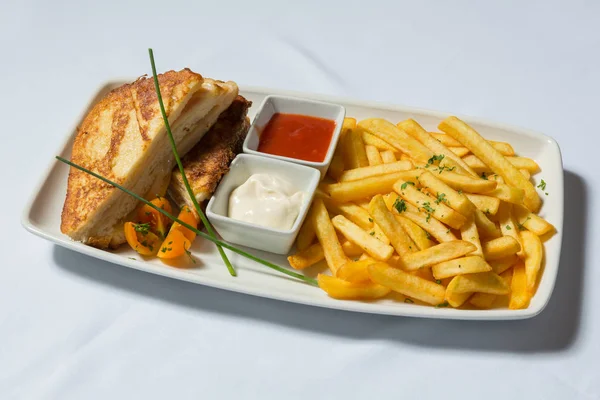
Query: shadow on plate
pixel 555 329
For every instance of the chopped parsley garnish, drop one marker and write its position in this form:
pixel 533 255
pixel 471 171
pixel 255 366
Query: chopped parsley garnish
pixel 370 219
pixel 521 226
pixel 132 258
pixel 442 305
pixel 508 228
pixel 405 185
pixel 142 228
pixel 164 250
pixel 460 191
pixel 542 185
pixel 483 176
pixel 409 301
pixel 441 197
pixel 372 233
pixel 189 254
pixel 400 205
pixel 428 235
pixel 443 167
pixel 438 281
pixel 434 158
pixel 427 207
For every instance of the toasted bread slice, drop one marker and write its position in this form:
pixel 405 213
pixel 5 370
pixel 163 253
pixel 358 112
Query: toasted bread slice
pixel 123 138
pixel 209 160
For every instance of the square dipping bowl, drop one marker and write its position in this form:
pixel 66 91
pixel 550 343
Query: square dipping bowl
pixel 272 105
pixel 277 241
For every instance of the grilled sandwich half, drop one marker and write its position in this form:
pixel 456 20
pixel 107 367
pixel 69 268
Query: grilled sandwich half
pixel 209 160
pixel 123 138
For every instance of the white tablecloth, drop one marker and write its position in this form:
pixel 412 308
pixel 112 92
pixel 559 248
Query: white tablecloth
pixel 72 327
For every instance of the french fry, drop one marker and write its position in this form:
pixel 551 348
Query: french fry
pixel 418 199
pixel 460 151
pixel 407 284
pixel 495 178
pixel 306 234
pixel 431 225
pixel 446 195
pixel 527 220
pixel 466 183
pixel 353 146
pixel 336 168
pixel 322 191
pixel 476 164
pixel 460 266
pixel 524 163
pixel 351 250
pixel 327 237
pixel 376 170
pixel 526 173
pixel 355 271
pixel 415 130
pixel 491 157
pixel 486 227
pixel 373 155
pixel 456 299
pixel 375 248
pixel 418 235
pixel 307 257
pixel 363 188
pixel 379 234
pixel 343 290
pixel 483 282
pixel 398 138
pixel 486 300
pixel 400 241
pixel 499 248
pixel 534 253
pixel 363 203
pixel 373 140
pixel 388 157
pixel 508 193
pixel 446 140
pixel 351 211
pixel 519 296
pixel 435 255
pixel 470 233
pixel 489 205
pixel 507 224
pixel 503 264
pixel 503 148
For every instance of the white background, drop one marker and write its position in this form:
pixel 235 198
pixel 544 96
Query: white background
pixel 72 327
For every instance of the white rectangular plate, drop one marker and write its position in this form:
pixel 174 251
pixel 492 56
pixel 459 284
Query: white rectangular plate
pixel 42 217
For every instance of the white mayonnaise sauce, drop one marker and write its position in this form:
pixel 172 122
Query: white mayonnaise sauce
pixel 266 200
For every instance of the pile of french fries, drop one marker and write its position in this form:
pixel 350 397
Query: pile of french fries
pixel 444 219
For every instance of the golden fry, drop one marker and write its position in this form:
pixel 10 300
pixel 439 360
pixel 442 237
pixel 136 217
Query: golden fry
pixel 470 233
pixel 431 225
pixel 418 199
pixel 401 242
pixel 501 247
pixel 508 193
pixel 502 264
pixel 507 224
pixel 491 157
pixel 483 282
pixel 388 157
pixel 460 266
pixel 446 195
pixel 519 296
pixel 353 146
pixel 373 155
pixel 466 183
pixel 407 284
pixel 327 237
pixel 343 290
pixel 375 248
pixel 489 205
pixel 460 151
pixel 351 211
pixel 351 250
pixel 435 254
pixel 528 220
pixel 307 257
pixel 534 253
pixel 415 130
pixel 306 234
pixel 373 140
pixel 418 235
pixel 486 227
pixel 363 188
pixel 355 271
pixel 398 138
pixel 370 171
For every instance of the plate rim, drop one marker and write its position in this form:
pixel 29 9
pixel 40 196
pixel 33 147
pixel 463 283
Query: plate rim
pixel 354 306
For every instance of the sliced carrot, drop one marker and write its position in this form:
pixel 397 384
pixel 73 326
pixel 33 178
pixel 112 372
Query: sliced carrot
pixel 158 222
pixel 175 245
pixel 141 239
pixel 189 217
